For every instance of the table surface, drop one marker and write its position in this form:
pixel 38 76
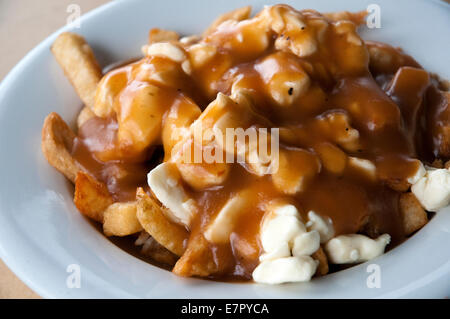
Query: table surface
pixel 25 18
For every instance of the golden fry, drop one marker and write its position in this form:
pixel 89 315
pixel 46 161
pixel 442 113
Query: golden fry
pixel 197 259
pixel 79 64
pixel 120 219
pixel 322 268
pixel 57 143
pixel 151 248
pixel 91 196
pixel 413 215
pixel 154 221
pixel 85 115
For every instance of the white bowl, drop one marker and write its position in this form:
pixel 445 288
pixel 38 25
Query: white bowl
pixel 42 233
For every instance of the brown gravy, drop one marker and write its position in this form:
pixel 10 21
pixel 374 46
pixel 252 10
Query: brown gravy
pixel 385 102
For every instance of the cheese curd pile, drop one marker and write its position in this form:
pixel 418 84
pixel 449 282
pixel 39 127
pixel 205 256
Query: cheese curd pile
pixel 363 136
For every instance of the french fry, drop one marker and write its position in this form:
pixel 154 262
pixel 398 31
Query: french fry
pixel 120 219
pixel 57 142
pixel 197 259
pixel 79 64
pixel 413 215
pixel 235 15
pixel 91 196
pixel 151 248
pixel 322 268
pixel 154 221
pixel 85 115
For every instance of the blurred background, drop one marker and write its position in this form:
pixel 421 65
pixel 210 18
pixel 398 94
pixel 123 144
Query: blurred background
pixel 23 25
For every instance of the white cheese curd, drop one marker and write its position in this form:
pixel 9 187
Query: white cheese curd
pixel 280 227
pixel 287 269
pixel 287 245
pixel 323 225
pixel 306 244
pixel 164 181
pixel 355 248
pixel 433 189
